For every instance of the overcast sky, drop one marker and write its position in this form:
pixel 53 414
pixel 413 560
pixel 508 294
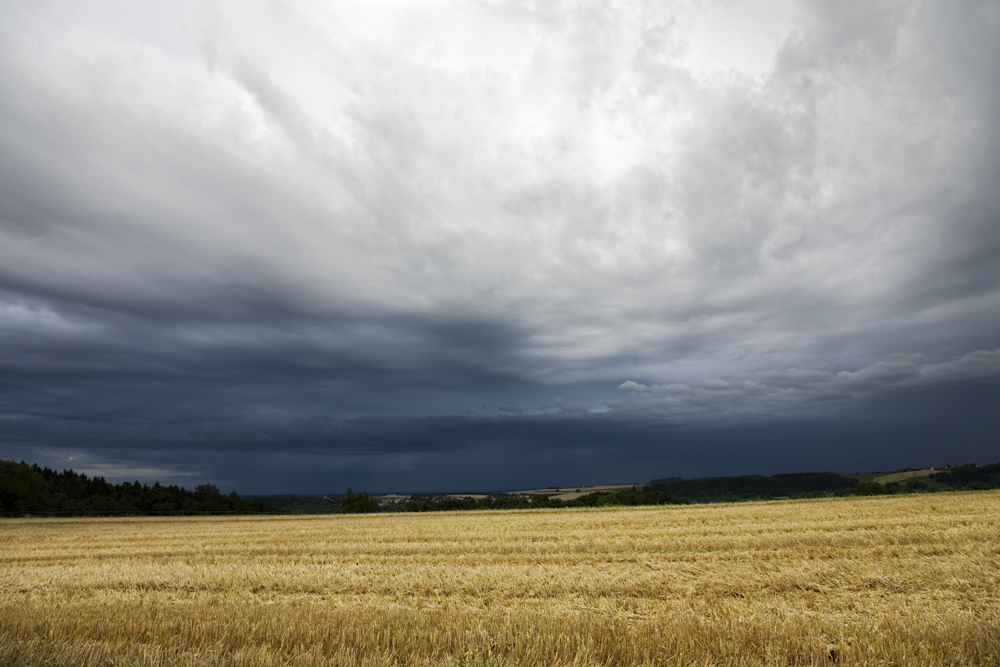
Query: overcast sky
pixel 292 247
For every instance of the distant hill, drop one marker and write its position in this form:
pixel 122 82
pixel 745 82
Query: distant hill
pixel 801 485
pixel 745 487
pixel 987 476
pixel 27 489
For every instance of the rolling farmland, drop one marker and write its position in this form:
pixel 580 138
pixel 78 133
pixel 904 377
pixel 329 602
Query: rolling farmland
pixel 900 580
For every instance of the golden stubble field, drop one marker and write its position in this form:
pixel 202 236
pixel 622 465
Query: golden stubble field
pixel 911 580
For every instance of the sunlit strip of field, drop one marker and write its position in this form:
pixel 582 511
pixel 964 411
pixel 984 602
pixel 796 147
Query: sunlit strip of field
pixel 902 580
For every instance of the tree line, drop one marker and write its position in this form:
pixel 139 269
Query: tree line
pixel 751 487
pixel 31 489
pixel 504 501
pixel 970 476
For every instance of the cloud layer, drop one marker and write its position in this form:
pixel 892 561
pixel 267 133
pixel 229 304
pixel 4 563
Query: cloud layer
pixel 763 394
pixel 236 214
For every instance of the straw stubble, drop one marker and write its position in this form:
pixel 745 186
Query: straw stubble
pixel 909 580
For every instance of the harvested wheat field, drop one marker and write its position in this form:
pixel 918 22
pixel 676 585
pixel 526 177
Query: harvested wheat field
pixel 903 580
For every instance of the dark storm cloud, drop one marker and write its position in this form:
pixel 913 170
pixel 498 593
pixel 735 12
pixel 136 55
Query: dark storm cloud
pixel 768 393
pixel 325 455
pixel 350 229
pixel 745 398
pixel 100 365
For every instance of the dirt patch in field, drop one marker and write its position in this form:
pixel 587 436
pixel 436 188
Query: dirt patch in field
pixel 909 474
pixel 574 492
